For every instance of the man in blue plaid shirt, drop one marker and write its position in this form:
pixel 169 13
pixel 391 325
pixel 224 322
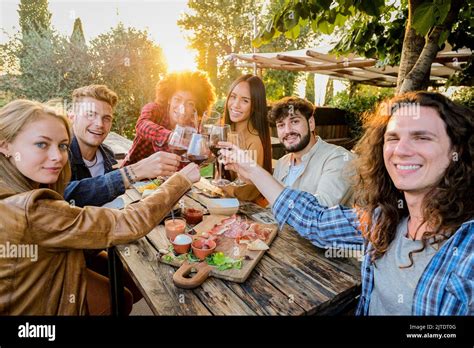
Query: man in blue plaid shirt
pixel 414 209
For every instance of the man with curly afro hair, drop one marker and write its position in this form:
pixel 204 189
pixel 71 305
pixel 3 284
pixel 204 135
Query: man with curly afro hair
pixel 181 97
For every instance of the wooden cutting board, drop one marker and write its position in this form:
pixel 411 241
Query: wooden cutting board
pixel 250 258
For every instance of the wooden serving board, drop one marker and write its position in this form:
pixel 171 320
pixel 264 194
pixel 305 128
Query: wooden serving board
pixel 250 258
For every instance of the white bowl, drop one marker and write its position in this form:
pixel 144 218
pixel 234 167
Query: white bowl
pixel 223 206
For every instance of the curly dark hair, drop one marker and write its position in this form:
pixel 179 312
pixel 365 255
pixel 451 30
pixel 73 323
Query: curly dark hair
pixel 381 205
pixel 196 82
pixel 281 109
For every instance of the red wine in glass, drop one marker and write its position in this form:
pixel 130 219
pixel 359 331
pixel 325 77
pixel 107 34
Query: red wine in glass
pixel 178 150
pixel 197 159
pixel 198 149
pixel 218 133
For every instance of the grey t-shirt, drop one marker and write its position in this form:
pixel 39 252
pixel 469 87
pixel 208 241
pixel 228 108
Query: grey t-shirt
pixel 394 287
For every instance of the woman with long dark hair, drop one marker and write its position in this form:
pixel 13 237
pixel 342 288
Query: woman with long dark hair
pixel 246 111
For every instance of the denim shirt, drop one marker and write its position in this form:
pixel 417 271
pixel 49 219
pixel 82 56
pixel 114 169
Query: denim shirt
pixel 85 190
pixel 446 286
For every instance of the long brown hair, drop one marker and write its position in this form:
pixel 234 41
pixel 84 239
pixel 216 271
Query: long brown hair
pixel 382 205
pixel 258 114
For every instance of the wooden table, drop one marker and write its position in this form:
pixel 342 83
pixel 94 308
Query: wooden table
pixel 293 278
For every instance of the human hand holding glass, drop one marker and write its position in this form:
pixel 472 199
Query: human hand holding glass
pixel 238 140
pixel 239 161
pixel 218 134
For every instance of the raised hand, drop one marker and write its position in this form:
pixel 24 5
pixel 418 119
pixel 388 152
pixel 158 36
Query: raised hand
pixel 158 164
pixel 237 160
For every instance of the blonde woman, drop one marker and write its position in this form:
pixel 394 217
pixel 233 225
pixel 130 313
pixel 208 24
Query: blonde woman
pixel 51 278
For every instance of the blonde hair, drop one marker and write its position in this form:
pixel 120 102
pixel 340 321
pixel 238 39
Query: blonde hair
pixel 99 92
pixel 17 114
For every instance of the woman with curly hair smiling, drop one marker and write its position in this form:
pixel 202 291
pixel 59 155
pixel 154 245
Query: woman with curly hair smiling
pixel 179 96
pixel 415 212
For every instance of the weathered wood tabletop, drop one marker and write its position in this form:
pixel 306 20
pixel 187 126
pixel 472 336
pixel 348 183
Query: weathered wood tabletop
pixel 293 278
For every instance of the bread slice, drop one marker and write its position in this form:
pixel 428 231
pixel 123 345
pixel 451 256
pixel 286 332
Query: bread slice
pixel 257 244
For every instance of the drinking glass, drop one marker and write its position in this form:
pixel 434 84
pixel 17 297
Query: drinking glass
pixel 198 149
pixel 238 140
pixel 209 119
pixel 179 140
pixel 218 134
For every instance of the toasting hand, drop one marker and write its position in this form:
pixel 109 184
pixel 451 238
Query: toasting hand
pixel 238 160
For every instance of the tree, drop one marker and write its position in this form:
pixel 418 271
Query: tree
pixel 80 70
pixel 128 62
pixel 373 29
pixel 329 91
pixel 51 67
pixel 34 16
pixel 218 28
pixel 309 90
pixel 77 36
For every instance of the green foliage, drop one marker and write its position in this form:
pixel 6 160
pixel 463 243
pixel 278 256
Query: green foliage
pixel 51 66
pixel 329 91
pixel 364 100
pixel 218 28
pixel 129 63
pixel 374 29
pixel 77 36
pixel 309 90
pixel 278 83
pixel 428 14
pixel 465 96
pixel 124 59
pixel 34 16
pixel 219 105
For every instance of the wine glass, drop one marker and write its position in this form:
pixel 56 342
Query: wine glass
pixel 238 140
pixel 218 133
pixel 179 140
pixel 198 150
pixel 209 119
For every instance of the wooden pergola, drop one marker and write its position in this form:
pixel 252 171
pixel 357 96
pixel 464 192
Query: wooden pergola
pixel 350 67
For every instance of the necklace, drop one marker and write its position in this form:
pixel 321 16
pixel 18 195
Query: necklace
pixel 93 164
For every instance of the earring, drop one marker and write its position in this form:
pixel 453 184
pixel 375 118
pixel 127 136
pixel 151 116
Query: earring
pixel 8 156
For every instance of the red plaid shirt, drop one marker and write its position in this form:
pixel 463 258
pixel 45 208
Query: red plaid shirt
pixel 152 132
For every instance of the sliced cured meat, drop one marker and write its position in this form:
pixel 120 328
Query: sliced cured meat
pixel 240 229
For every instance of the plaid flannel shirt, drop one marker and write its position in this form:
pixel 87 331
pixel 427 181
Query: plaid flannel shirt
pixel 446 286
pixel 152 131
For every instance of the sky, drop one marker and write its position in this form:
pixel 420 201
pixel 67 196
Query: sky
pixel 158 16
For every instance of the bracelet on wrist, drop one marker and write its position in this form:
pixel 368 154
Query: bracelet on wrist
pixel 134 175
pixel 127 174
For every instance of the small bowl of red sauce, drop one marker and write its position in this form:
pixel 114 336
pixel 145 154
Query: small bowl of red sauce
pixel 193 215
